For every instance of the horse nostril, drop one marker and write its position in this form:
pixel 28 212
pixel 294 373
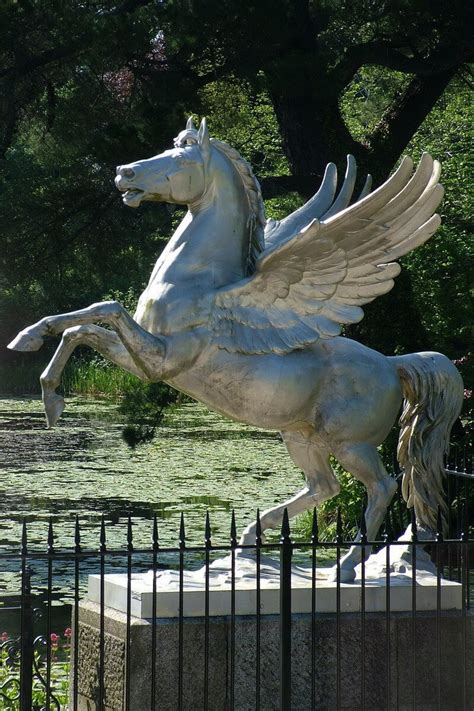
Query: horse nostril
pixel 129 173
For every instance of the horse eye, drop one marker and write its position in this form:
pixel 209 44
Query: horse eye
pixel 190 142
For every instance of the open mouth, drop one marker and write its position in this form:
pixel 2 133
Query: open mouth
pixel 133 197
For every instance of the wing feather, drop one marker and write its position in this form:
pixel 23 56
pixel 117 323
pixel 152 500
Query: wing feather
pixel 345 193
pixel 315 274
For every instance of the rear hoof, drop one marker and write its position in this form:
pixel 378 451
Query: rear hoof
pixel 54 407
pixel 26 341
pixel 347 575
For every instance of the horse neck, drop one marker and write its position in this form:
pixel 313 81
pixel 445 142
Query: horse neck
pixel 210 245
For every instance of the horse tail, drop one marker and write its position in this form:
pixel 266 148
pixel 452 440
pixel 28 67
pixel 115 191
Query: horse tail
pixel 433 392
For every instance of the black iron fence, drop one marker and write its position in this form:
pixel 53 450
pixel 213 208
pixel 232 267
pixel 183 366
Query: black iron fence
pixel 373 653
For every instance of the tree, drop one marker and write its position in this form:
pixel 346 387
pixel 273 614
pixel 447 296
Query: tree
pixel 305 54
pixel 88 85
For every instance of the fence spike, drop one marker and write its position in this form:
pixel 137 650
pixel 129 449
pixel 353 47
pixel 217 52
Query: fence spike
pixel 102 537
pixel 129 532
pixel 233 530
pixel 77 535
pixel 24 539
pixel 363 526
pixel 258 529
pixel 285 528
pixel 207 530
pixel 182 531
pixel 414 528
pixel 338 526
pixel 154 533
pixel 439 525
pixel 50 536
pixel 314 527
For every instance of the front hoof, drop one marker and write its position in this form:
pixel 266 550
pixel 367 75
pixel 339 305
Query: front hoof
pixel 26 341
pixel 346 575
pixel 54 407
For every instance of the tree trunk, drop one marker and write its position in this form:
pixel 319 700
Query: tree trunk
pixel 403 118
pixel 314 134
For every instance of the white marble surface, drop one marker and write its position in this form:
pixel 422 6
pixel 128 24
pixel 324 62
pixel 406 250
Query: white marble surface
pixel 220 582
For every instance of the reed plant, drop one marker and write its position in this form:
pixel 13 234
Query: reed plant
pixel 81 377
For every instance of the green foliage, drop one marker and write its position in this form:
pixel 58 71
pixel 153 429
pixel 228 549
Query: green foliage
pixel 430 305
pixel 368 96
pixel 244 117
pixel 97 377
pixel 60 656
pixel 351 503
pixel 441 271
pixel 88 86
pixel 280 207
pixel 144 406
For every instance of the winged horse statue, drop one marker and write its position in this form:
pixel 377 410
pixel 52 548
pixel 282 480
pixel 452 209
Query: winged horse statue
pixel 245 315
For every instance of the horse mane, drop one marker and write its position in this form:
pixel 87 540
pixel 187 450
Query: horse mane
pixel 257 221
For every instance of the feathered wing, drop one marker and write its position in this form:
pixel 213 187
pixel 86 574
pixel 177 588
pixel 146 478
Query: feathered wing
pixel 321 206
pixel 310 281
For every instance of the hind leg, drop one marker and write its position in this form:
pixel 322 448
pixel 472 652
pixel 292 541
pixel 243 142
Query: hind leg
pixel 363 461
pixel 321 484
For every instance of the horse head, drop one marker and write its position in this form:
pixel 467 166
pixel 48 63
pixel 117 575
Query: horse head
pixel 202 172
pixel 177 175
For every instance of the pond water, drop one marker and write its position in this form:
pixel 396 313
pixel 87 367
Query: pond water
pixel 197 462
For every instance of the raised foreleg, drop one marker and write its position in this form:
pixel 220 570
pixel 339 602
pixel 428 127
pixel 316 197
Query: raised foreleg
pixel 102 340
pixel 145 349
pixel 321 484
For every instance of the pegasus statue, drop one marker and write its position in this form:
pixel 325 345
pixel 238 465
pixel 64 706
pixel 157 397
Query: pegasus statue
pixel 245 315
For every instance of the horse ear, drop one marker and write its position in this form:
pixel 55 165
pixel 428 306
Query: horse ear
pixel 190 124
pixel 203 136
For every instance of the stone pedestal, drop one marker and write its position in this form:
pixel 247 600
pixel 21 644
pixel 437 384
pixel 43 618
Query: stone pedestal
pixel 391 659
pixel 401 651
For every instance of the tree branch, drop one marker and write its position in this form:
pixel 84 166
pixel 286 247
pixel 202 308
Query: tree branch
pixel 11 118
pixel 403 118
pixel 385 54
pixel 32 62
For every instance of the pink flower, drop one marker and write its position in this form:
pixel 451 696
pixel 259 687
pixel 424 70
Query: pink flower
pixel 4 637
pixel 68 632
pixel 54 638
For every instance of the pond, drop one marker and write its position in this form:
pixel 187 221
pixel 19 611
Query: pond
pixel 197 462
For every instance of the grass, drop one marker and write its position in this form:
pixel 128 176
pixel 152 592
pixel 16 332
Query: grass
pixel 90 378
pixel 80 377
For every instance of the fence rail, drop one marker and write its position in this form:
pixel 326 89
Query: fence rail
pixel 40 669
